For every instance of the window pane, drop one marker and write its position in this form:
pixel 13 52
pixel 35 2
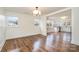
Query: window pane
pixel 12 20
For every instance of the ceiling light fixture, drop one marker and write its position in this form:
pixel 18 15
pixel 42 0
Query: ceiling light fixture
pixel 64 17
pixel 36 12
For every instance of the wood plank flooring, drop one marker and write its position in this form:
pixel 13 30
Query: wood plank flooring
pixel 25 44
pixel 60 43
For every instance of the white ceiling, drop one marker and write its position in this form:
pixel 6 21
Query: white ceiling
pixel 29 10
pixel 64 13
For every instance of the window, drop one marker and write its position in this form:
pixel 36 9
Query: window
pixel 12 20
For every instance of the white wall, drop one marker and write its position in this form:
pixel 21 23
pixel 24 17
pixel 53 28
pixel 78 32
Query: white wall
pixel 2 28
pixel 43 25
pixel 26 26
pixel 75 25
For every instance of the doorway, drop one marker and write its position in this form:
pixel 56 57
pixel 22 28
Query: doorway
pixel 59 27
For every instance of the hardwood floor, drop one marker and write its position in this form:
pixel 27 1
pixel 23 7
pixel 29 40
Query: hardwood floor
pixel 25 44
pixel 54 42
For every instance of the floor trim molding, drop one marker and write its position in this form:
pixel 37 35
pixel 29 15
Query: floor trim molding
pixel 2 44
pixel 24 36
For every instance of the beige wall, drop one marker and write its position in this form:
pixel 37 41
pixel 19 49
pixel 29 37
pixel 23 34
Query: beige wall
pixel 2 28
pixel 25 28
pixel 43 26
pixel 75 25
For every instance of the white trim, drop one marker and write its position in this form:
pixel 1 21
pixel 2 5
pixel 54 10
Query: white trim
pixel 58 11
pixel 25 35
pixel 75 43
pixel 2 44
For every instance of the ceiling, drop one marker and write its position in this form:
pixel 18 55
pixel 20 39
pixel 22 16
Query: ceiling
pixel 29 10
pixel 64 13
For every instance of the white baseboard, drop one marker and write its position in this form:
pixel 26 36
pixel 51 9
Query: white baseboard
pixel 2 44
pixel 21 36
pixel 76 43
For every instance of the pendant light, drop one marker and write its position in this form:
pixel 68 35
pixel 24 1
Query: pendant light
pixel 36 12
